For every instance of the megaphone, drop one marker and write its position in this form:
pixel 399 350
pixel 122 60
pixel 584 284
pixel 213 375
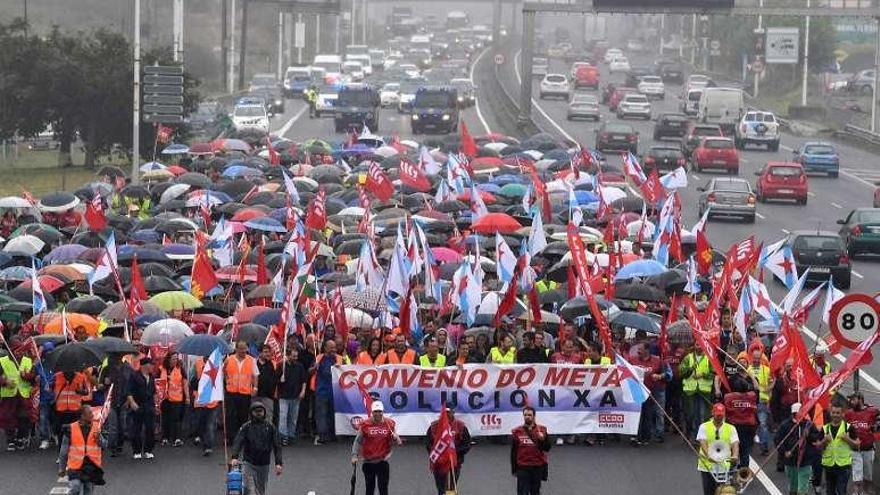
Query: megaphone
pixel 719 451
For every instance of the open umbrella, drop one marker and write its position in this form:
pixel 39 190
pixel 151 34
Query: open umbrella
pixel 90 305
pixel 46 233
pixel 638 321
pixel 111 345
pixel 118 311
pixel 165 332
pixel 201 345
pixel 175 301
pixel 496 222
pixel 24 244
pixel 74 321
pixel 265 224
pixel 640 268
pixel 72 357
pixel 640 292
pixel 66 252
pixel 58 201
pixel 15 202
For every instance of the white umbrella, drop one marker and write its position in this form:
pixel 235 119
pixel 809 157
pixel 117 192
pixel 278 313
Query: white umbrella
pixel 173 192
pixel 27 244
pixel 632 229
pixel 409 143
pixel 535 154
pixel 352 211
pixel 358 319
pixel 496 147
pixel 386 151
pixel 612 194
pixel 15 202
pixel 202 199
pixel 149 166
pixel 168 331
pixel 307 180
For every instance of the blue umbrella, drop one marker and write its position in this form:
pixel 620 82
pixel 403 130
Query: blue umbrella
pixel 202 345
pixel 241 171
pixel 505 179
pixel 178 250
pixel 640 268
pixel 176 149
pixel 65 252
pixel 16 273
pixel 127 253
pixel 268 318
pixel 266 224
pixel 222 196
pixel 145 320
pixel 490 188
pixel 145 236
pixel 186 283
pixel 585 197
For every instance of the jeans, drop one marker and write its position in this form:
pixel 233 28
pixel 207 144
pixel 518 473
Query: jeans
pixel 288 413
pixel 324 416
pixel 206 420
pixel 117 437
pixel 763 425
pixel 79 487
pixel 143 435
pixel 44 427
pixel 528 480
pixel 836 479
pixel 376 473
pixel 697 412
pixel 658 407
pixel 746 434
pixel 255 478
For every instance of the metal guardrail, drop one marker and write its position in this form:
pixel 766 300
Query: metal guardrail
pixel 861 134
pixel 499 100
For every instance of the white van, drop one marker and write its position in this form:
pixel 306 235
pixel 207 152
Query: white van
pixel 364 59
pixel 332 65
pixel 722 106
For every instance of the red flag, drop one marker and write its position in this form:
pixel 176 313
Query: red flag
pixel 443 457
pixel 509 300
pixel 652 189
pixel 338 310
pixel 262 271
pixel 579 259
pixel 365 395
pixel 396 144
pixel 316 218
pixel 378 183
pixel 163 133
pixel 541 192
pixel 701 338
pixel 274 157
pixel 203 277
pixel 663 340
pixel 275 341
pixel 675 242
pixel 290 216
pixel 468 145
pixel 703 254
pixel 95 214
pixel 137 290
pixel 571 286
pixel 412 175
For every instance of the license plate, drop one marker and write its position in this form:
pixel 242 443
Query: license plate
pixel 873 230
pixel 618 136
pixel 719 162
pixel 786 191
pixel 820 269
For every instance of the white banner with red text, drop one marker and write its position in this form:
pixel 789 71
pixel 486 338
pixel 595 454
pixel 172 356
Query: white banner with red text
pixel 489 398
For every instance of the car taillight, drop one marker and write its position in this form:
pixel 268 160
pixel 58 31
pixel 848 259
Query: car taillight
pixel 711 198
pixel 844 259
pixel 857 230
pixel 751 199
pixel 681 162
pixel 649 160
pixel 604 135
pixel 802 178
pixel 631 138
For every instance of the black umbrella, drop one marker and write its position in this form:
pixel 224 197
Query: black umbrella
pixel 58 201
pixel 134 191
pixel 636 320
pixel 195 179
pixel 148 269
pixel 237 187
pixel 451 206
pixel 252 333
pixel 202 345
pixel 579 306
pixel 143 255
pixel 155 284
pixel 111 171
pixel 90 305
pixel 640 292
pixel 351 248
pixel 557 296
pixel 111 345
pixel 72 357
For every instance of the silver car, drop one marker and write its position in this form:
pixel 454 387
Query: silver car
pixel 583 107
pixel 728 196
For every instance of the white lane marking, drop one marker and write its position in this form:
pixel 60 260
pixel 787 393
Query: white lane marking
pixel 537 105
pixel 695 176
pixel 763 478
pixel 811 194
pixel 857 178
pixel 762 217
pixel 857 274
pixel 786 148
pixel 62 479
pixel 477 100
pixel 836 205
pixel 287 125
pixel 59 490
pixel 785 231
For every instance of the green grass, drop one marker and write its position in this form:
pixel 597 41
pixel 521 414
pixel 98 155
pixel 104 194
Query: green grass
pixel 38 172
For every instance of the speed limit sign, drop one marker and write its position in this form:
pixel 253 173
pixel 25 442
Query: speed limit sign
pixel 499 59
pixel 854 318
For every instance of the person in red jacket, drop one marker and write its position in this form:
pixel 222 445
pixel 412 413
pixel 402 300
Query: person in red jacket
pixel 863 419
pixel 372 445
pixel 528 454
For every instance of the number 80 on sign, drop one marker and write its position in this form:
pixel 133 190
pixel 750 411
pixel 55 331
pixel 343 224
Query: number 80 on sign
pixel 854 318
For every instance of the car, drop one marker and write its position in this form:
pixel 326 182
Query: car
pixel 862 82
pixel 758 127
pixel 696 132
pixel 860 231
pixel 823 253
pixel 577 65
pixel 559 50
pixel 612 53
pixel 583 107
pixel 670 125
pixel 204 120
pixel 652 87
pixel 262 81
pixel 354 69
pixel 377 59
pixel 389 95
pixel 357 106
pixel 663 157
pixel 407 94
pixel 616 136
pixel 619 64
pixel 250 116
pixel 698 81
pixel 634 45
pixel 782 180
pixel 555 85
pixel 690 102
pixel 364 59
pixel 634 105
pixel 467 96
pixel 617 95
pixel 716 153
pixel 818 156
pixel 672 73
pixel 540 66
pixel 727 196
pixel 436 108
pixel 635 74
pixel 586 77
pixel 272 97
pixel 411 70
pixel 326 100
pixel 297 80
pixel 877 197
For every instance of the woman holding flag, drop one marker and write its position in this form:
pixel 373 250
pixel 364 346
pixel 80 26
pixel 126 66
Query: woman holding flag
pixel 448 441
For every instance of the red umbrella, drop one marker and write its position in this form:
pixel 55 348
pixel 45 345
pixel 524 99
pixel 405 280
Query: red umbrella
pixel 245 315
pixel 485 162
pixel 245 214
pixel 487 197
pixel 212 321
pixel 496 222
pixel 446 255
pixel 48 283
pixel 201 149
pixel 435 215
pixel 230 273
pixel 517 161
pixel 176 170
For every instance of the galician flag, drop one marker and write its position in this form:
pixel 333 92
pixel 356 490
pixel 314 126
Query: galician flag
pixel 211 382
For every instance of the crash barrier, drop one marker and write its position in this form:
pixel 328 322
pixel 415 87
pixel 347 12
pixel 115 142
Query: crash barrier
pixel 489 398
pixel 496 97
pixel 860 135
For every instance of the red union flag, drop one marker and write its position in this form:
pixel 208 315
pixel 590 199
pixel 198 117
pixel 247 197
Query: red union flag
pixel 443 457
pixel 412 175
pixel 94 216
pixel 582 271
pixel 378 183
pixel 701 338
pixel 338 310
pixel 316 218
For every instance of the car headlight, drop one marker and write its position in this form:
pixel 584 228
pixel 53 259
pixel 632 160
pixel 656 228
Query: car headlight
pixel 426 61
pixel 415 117
pixel 278 102
pixel 460 98
pixel 445 116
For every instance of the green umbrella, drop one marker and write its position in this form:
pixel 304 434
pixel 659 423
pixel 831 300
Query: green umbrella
pixel 176 300
pixel 513 190
pixel 316 145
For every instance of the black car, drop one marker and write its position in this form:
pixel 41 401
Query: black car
pixel 670 125
pixel 635 74
pixel 824 253
pixel 357 105
pixel 663 157
pixel 617 137
pixel 206 118
pixel 436 108
pixel 273 97
pixel 672 74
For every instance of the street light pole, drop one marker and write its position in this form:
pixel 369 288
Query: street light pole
pixel 760 30
pixel 876 78
pixel 806 58
pixel 136 110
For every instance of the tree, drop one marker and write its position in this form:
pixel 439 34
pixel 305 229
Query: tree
pixel 24 110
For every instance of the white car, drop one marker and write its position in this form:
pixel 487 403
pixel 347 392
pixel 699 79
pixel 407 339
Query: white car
pixel 365 60
pixel 250 116
pixel 619 64
pixel 354 69
pixel 696 81
pixel 326 100
pixel 555 85
pixel 612 53
pixel 690 104
pixel 758 127
pixel 634 105
pixel 389 95
pixel 410 70
pixel 652 87
pixel 540 66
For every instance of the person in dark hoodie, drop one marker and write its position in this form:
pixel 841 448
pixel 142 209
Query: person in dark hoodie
pixel 253 447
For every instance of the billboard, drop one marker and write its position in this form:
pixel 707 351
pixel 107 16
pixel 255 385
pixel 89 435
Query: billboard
pixel 635 5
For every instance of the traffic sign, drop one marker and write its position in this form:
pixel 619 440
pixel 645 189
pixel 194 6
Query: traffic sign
pixel 161 99
pixel 854 318
pixel 164 70
pixel 152 118
pixel 157 79
pixel 173 109
pixel 499 58
pixel 781 45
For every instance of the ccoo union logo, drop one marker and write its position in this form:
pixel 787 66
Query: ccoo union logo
pixel 611 420
pixel 356 421
pixel 490 422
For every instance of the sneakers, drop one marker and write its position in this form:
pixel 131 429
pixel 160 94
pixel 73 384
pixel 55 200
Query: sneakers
pixel 10 447
pixel 207 452
pixel 318 441
pixel 197 440
pixel 149 455
pixel 137 456
pixel 44 445
pixel 178 443
pixel 164 442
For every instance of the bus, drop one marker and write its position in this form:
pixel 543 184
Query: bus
pixel 332 65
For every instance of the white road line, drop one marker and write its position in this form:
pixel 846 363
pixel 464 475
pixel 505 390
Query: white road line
pixel 762 217
pixel 786 148
pixel 59 490
pixel 785 231
pixel 857 274
pixel 857 178
pixel 287 125
pixel 836 205
pixel 477 100
pixel 811 194
pixel 695 176
pixel 761 476
pixel 537 105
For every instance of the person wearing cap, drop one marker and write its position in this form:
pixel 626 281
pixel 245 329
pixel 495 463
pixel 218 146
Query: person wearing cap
pixel 715 430
pixel 798 445
pixel 839 441
pixel 255 443
pixel 461 440
pixel 372 446
pixel 529 461
pixel 863 419
pixel 141 401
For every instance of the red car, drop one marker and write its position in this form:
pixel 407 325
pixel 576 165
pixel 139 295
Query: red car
pixel 586 77
pixel 877 197
pixel 782 180
pixel 617 95
pixel 716 153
